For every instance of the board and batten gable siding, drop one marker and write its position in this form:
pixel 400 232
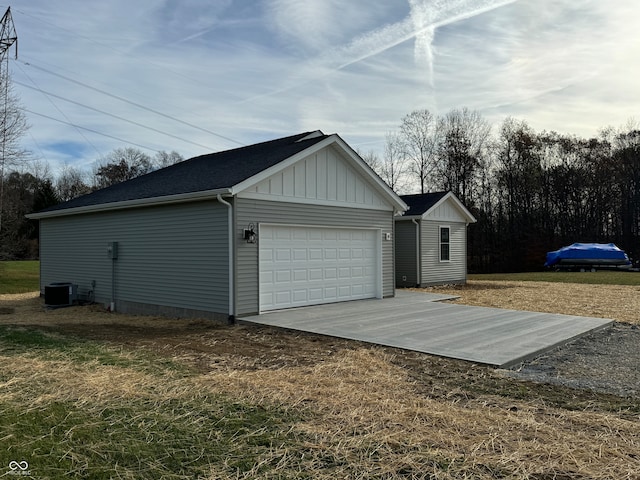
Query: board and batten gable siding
pixel 256 211
pixel 446 212
pixel 172 259
pixel 406 253
pixel 324 177
pixel 434 271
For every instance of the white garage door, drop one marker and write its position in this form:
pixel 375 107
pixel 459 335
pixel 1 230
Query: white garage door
pixel 311 265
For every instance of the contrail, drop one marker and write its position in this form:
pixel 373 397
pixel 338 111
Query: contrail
pixel 424 18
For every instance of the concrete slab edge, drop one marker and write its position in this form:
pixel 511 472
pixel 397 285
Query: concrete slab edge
pixel 529 356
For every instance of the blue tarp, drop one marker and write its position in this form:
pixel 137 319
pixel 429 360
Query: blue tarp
pixel 588 254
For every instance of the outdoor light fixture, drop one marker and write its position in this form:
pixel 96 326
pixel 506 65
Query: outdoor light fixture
pixel 250 233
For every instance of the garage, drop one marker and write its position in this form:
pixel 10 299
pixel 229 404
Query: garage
pixel 306 265
pixel 295 221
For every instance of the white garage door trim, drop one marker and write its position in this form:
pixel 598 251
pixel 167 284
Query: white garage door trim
pixel 301 265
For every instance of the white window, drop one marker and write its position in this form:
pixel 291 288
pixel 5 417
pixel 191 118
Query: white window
pixel 445 249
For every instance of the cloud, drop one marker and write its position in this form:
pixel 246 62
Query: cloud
pixel 256 70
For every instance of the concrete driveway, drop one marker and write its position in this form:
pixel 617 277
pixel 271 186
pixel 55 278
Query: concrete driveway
pixel 420 322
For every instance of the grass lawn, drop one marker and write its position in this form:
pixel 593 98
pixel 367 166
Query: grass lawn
pixel 20 276
pixel 90 394
pixel 602 277
pixel 83 410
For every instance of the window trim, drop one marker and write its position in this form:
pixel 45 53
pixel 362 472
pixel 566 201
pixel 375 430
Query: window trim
pixel 441 243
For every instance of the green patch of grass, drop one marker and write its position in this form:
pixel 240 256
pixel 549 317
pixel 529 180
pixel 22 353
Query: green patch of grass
pixel 19 276
pixel 601 277
pixel 143 439
pixel 167 427
pixel 50 345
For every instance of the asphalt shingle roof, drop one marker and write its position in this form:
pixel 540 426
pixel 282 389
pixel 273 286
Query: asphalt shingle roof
pixel 207 172
pixel 420 203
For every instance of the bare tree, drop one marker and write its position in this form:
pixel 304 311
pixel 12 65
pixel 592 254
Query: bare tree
pixel 393 167
pixel 71 183
pixel 419 133
pixel 13 126
pixel 165 159
pixel 372 159
pixel 120 165
pixel 462 152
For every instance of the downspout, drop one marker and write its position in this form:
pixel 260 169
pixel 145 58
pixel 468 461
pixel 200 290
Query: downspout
pixel 418 272
pixel 232 316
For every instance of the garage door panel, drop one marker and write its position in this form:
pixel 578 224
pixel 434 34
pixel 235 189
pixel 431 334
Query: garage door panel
pixel 344 272
pixel 315 274
pixel 316 294
pixel 357 272
pixel 331 293
pixel 330 235
pixel 283 297
pixel 316 254
pixel 330 273
pixel 266 277
pixel 300 295
pixel 311 265
pixel 300 275
pixel 283 276
pixel 330 254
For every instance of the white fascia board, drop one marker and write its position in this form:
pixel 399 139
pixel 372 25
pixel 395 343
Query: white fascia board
pixel 141 202
pixel 450 196
pixel 397 203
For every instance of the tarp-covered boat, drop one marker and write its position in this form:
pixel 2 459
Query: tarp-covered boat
pixel 594 255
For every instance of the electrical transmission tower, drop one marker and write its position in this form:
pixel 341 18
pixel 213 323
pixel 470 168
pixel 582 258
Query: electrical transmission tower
pixel 8 37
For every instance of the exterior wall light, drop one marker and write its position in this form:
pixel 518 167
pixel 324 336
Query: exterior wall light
pixel 250 234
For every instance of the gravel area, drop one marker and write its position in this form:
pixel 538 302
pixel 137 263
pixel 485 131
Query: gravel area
pixel 606 361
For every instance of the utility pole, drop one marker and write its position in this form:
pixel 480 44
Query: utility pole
pixel 8 37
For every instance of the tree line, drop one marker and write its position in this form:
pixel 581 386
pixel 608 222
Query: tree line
pixel 28 186
pixel 531 192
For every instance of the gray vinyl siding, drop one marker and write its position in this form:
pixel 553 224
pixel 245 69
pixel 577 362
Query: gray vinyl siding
pixel 173 256
pixel 257 211
pixel 406 254
pixel 434 271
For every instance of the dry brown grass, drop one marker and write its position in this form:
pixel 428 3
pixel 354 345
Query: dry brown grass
pixel 366 404
pixel 364 412
pixel 617 302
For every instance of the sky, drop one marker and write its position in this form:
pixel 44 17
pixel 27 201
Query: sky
pixel 200 76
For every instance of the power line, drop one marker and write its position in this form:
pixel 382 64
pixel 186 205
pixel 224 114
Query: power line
pixel 120 51
pixel 113 115
pixel 135 104
pixel 56 107
pixel 91 130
